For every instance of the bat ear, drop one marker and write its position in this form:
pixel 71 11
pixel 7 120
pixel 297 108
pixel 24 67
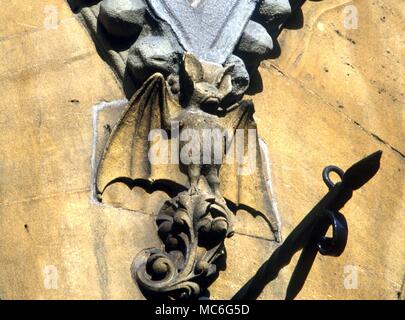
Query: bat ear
pixel 191 73
pixel 224 80
pixel 193 68
pixel 224 73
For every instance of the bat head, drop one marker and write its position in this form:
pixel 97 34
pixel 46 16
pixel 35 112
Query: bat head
pixel 204 85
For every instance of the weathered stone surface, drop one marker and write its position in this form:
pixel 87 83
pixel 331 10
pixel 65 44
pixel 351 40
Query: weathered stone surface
pixel 15 21
pixel 36 104
pixel 74 237
pixel 363 75
pixel 254 252
pixel 123 18
pixel 20 45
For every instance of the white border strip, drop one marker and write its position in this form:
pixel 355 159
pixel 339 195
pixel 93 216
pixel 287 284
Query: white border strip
pixel 96 109
pixel 264 152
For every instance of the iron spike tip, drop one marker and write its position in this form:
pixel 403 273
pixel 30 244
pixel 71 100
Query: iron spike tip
pixel 363 171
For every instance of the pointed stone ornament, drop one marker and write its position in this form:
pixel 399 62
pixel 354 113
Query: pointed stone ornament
pixel 274 9
pixel 210 29
pixel 255 42
pixel 123 18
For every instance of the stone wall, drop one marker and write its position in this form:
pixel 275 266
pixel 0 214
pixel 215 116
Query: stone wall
pixel 333 96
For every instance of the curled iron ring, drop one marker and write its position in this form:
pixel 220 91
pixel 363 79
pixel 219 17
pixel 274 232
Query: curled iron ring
pixel 336 245
pixel 326 175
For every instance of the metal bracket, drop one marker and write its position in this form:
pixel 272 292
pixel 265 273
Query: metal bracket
pixel 310 235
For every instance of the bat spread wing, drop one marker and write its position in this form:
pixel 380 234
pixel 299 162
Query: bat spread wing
pixel 246 187
pixel 125 166
pixel 127 178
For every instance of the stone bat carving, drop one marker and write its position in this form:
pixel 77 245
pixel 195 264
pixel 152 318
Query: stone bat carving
pixel 204 210
pixel 127 152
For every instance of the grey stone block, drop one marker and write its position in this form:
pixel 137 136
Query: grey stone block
pixel 255 42
pixel 154 52
pixel 272 10
pixel 210 29
pixel 123 18
pixel 240 79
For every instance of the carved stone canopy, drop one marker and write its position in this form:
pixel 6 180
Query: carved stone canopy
pixel 210 29
pixel 141 37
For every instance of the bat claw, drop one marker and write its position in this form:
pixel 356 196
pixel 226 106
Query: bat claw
pixel 277 236
pixel 193 190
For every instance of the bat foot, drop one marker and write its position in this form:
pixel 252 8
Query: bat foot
pixel 220 200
